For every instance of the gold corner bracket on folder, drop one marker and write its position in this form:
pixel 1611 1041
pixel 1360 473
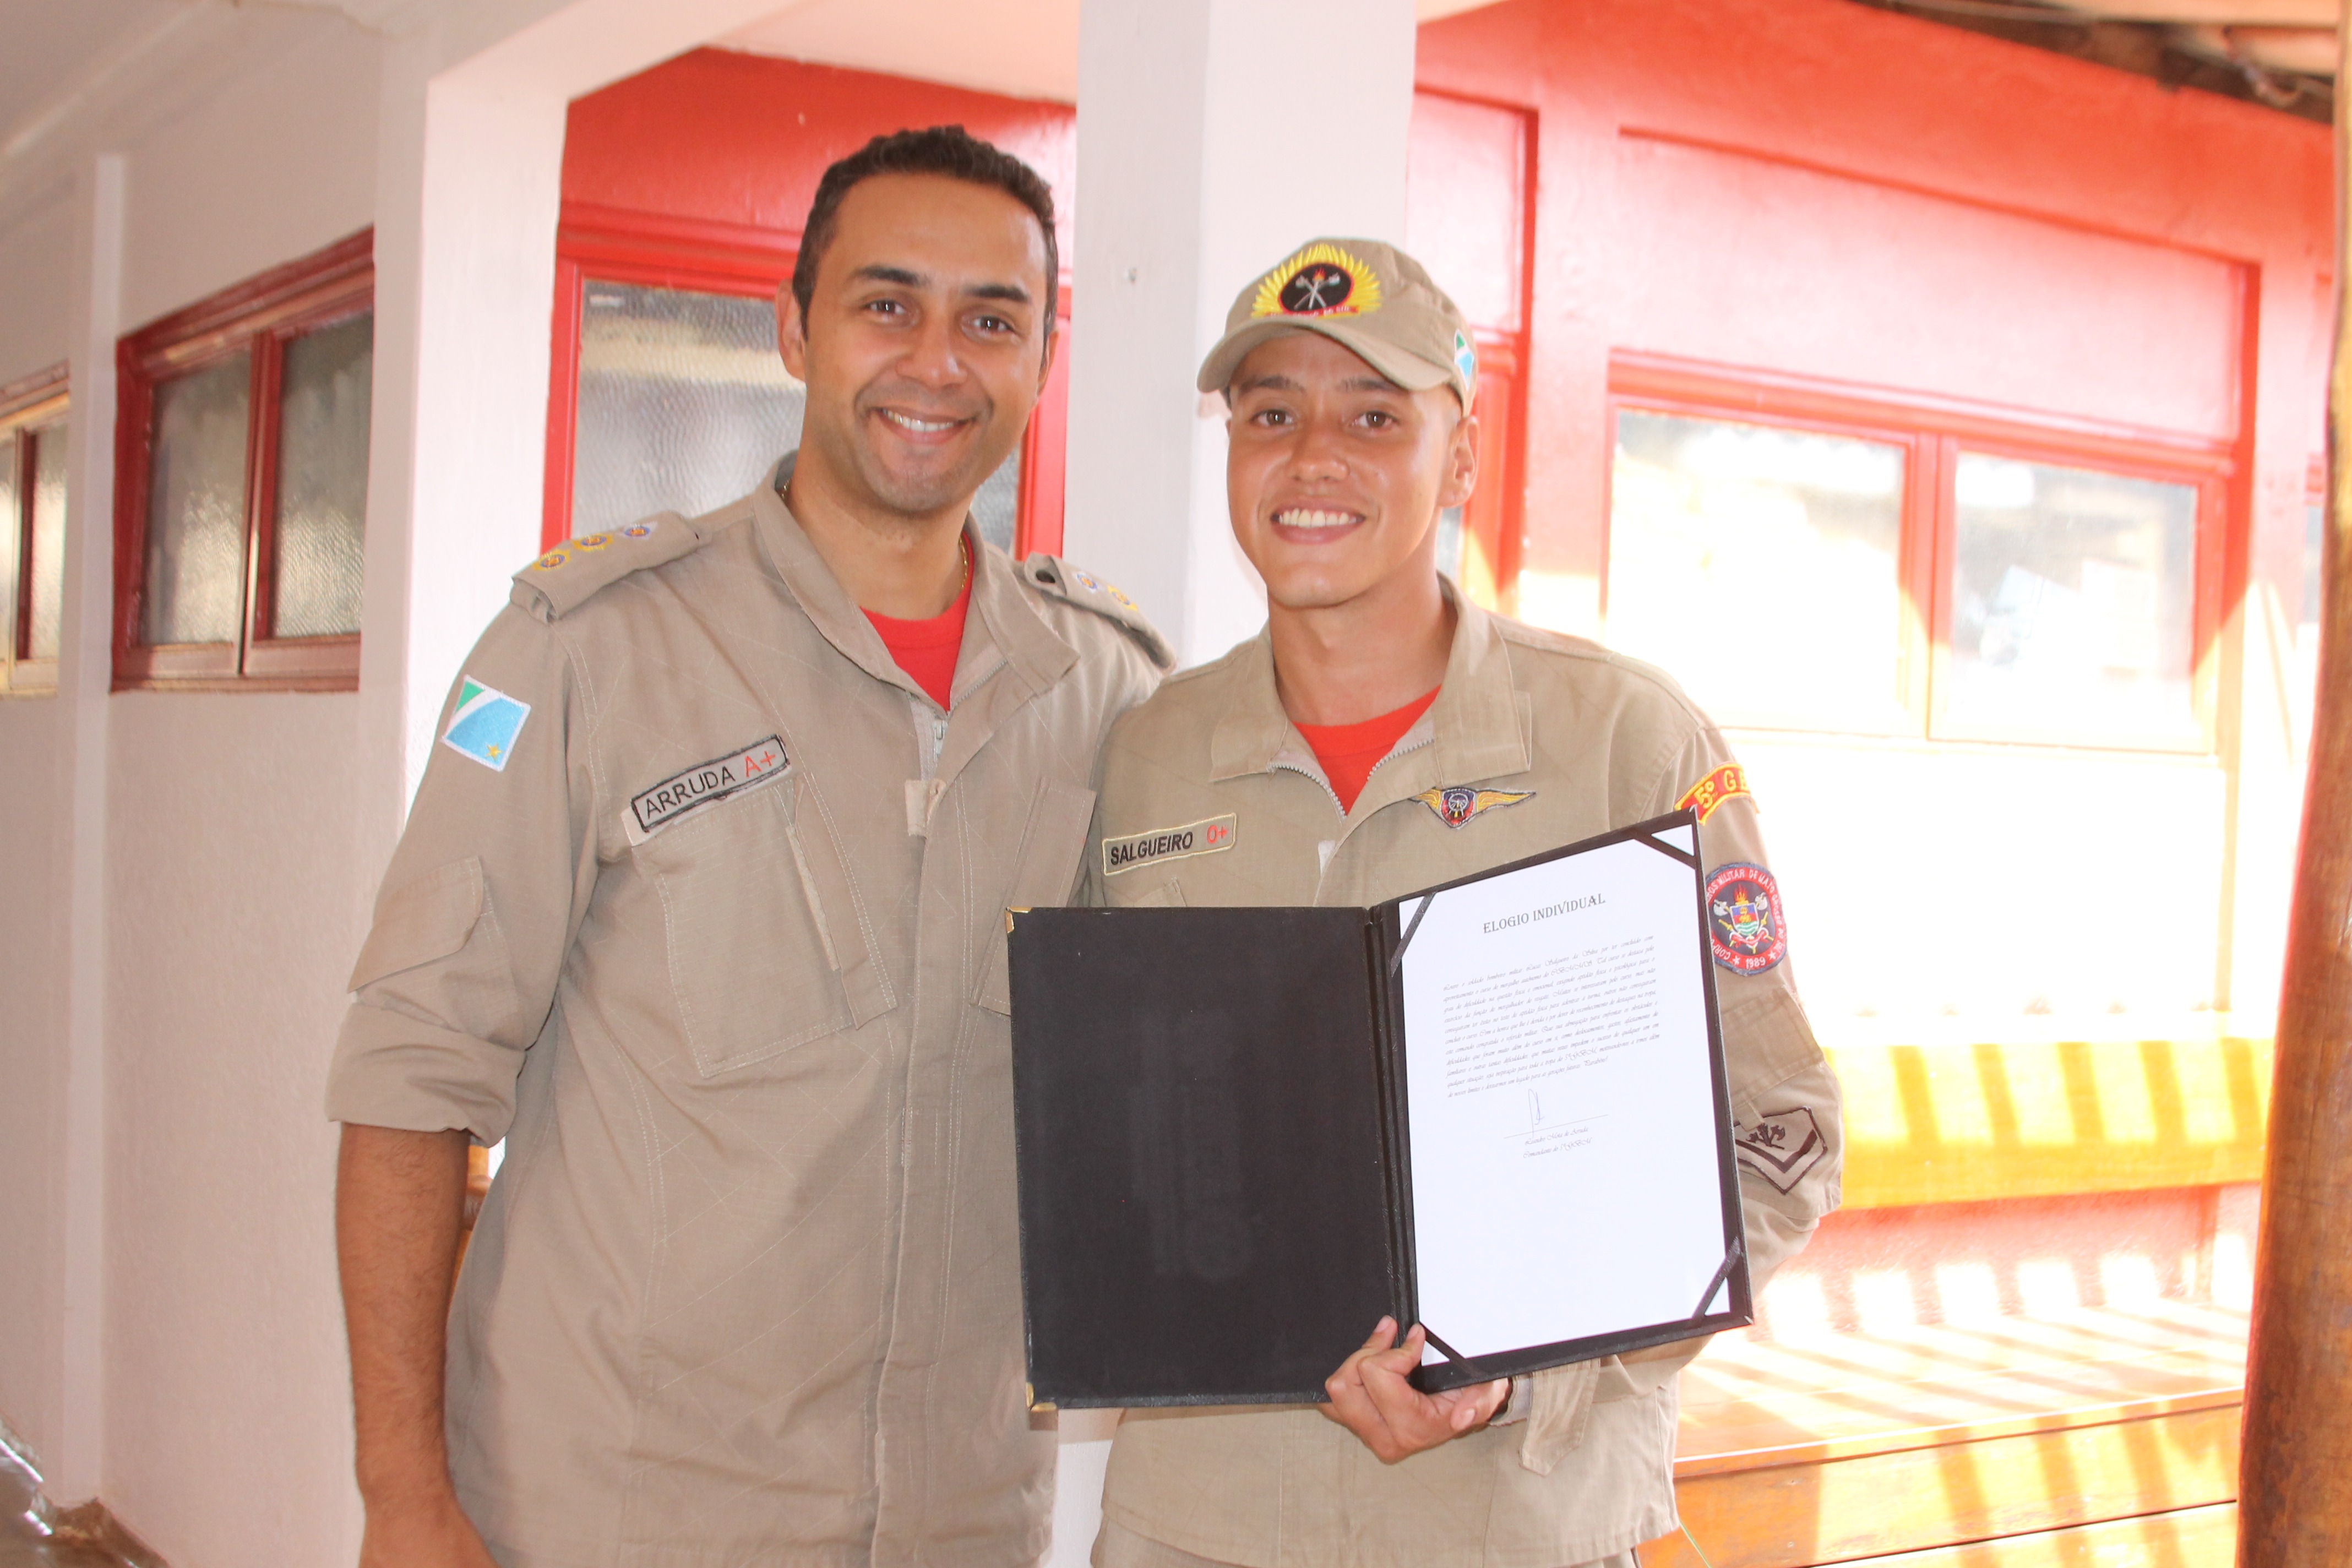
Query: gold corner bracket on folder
pixel 1018 909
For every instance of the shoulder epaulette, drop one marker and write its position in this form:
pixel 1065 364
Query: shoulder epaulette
pixel 566 576
pixel 1075 585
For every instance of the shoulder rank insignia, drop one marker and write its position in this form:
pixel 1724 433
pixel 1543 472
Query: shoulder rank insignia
pixel 1729 781
pixel 1457 804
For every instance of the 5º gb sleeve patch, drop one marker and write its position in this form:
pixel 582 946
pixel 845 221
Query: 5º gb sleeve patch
pixel 485 725
pixel 1744 919
pixel 1729 781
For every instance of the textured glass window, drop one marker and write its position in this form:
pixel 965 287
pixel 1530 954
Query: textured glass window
pixel 2073 607
pixel 46 568
pixel 684 405
pixel 195 505
pixel 1761 568
pixel 322 468
pixel 996 505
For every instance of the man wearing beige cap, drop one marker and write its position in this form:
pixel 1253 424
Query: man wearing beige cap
pixel 1383 734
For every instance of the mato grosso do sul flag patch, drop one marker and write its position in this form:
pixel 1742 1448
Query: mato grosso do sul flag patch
pixel 485 724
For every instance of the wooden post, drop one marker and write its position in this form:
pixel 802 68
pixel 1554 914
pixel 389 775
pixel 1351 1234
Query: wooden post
pixel 2295 1475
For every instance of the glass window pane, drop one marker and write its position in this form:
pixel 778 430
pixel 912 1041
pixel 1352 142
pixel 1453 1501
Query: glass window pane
pixel 1761 568
pixel 2073 606
pixel 195 505
pixel 322 470
pixel 996 505
pixel 47 567
pixel 684 405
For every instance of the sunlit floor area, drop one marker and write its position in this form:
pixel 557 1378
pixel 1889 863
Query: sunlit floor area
pixel 2095 1436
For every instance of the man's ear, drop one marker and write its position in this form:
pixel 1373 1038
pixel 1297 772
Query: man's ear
pixel 791 333
pixel 1045 360
pixel 1461 463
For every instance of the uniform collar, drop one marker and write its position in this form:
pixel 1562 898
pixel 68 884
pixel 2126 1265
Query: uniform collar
pixel 1471 731
pixel 1001 626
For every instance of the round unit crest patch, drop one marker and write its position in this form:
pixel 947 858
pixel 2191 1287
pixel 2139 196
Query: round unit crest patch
pixel 1320 280
pixel 1744 921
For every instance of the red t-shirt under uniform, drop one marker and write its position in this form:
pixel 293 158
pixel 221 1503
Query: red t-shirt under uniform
pixel 927 650
pixel 1349 753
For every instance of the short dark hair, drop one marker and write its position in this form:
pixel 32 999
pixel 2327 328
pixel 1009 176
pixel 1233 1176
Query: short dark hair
pixel 948 149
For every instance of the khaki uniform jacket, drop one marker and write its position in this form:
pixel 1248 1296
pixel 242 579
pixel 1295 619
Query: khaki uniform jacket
pixel 1597 741
pixel 746 1289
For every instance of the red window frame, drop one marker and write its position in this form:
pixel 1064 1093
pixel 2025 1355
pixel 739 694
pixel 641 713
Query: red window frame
pixel 264 313
pixel 26 404
pixel 619 245
pixel 1932 431
pixel 1494 522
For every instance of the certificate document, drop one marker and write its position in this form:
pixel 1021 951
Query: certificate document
pixel 1496 1108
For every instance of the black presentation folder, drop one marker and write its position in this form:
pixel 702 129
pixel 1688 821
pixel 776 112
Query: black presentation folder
pixel 1211 1113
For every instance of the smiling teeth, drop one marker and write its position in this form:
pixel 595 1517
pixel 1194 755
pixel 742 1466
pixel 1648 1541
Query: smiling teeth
pixel 1304 517
pixel 925 426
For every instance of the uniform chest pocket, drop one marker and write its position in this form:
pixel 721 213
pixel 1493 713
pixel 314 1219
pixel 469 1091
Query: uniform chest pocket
pixel 1046 871
pixel 768 947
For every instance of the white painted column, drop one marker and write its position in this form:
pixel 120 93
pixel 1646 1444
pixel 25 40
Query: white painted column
pixel 85 677
pixel 468 183
pixel 1213 136
pixel 469 189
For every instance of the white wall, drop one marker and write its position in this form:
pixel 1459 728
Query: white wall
pixel 277 161
pixel 231 929
pixel 36 259
pixel 170 1336
pixel 232 899
pixel 32 1079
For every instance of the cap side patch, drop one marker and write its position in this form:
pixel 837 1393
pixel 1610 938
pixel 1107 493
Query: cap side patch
pixel 705 784
pixel 1206 836
pixel 485 724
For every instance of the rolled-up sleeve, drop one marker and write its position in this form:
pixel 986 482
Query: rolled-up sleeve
pixel 479 908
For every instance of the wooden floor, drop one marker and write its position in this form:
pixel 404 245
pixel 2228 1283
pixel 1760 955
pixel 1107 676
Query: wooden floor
pixel 2093 1439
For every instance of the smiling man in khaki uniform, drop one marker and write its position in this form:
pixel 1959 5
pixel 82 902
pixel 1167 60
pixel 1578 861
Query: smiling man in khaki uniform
pixel 702 910
pixel 1383 735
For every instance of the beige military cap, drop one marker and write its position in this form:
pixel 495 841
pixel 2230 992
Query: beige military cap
pixel 1366 295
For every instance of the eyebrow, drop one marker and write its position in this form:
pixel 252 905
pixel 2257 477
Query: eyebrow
pixel 877 272
pixel 1279 382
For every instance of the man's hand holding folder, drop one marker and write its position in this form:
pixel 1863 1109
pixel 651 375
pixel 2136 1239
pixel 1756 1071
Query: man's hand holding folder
pixel 1371 1396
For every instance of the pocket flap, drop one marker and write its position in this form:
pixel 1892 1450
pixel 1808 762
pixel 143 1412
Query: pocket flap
pixel 424 920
